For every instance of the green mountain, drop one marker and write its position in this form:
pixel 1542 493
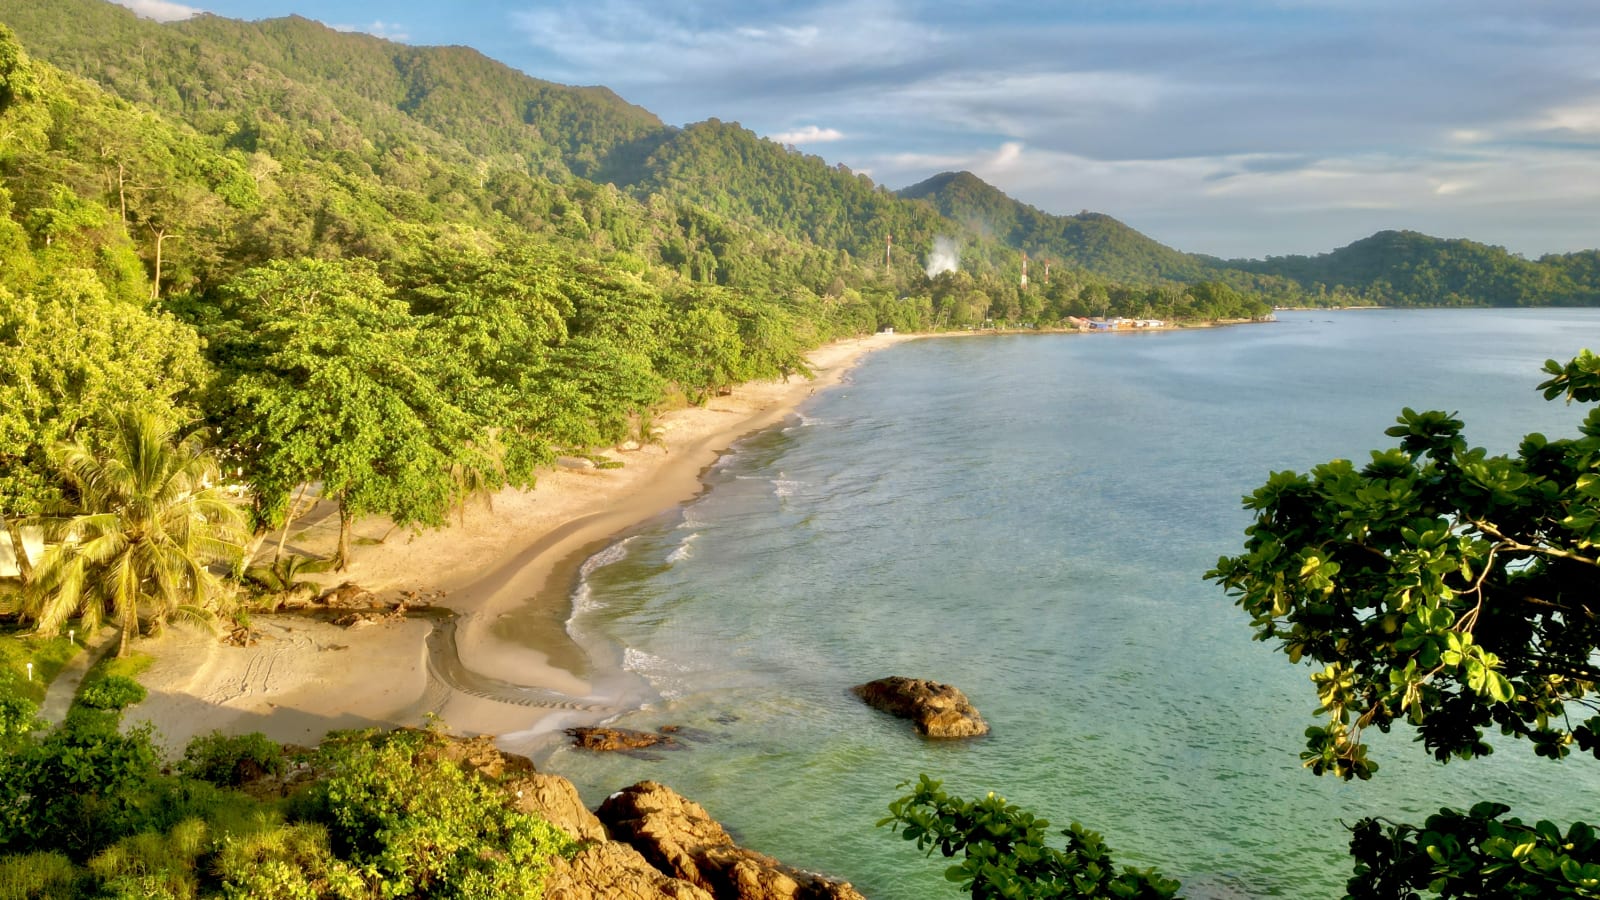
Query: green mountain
pixel 357 129
pixel 262 82
pixel 1091 241
pixel 1405 268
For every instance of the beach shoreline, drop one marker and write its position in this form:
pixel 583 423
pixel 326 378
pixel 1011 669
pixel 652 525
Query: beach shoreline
pixel 503 569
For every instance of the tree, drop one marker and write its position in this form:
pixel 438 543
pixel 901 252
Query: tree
pixel 72 355
pixel 1450 590
pixel 148 519
pixel 334 386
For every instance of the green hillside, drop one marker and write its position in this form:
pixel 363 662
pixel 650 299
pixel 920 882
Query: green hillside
pixel 1091 241
pixel 1405 268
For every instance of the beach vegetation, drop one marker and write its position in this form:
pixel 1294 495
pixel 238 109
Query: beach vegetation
pixel 143 521
pixel 231 760
pixel 89 810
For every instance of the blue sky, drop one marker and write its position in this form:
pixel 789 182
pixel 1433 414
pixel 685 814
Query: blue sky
pixel 1237 127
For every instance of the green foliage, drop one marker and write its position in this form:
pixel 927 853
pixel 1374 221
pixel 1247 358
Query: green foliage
pixel 81 788
pixel 287 862
pixel 1437 585
pixel 112 692
pixel 146 518
pixel 45 875
pixel 18 716
pixel 1474 856
pixel 413 822
pixel 231 760
pixel 1450 590
pixel 1090 241
pixel 1004 853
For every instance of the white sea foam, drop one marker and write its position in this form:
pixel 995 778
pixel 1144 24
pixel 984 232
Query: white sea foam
pixel 683 550
pixel 785 487
pixel 583 595
pixel 664 675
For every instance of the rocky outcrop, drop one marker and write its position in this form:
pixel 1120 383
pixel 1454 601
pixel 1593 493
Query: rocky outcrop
pixel 554 799
pixel 610 739
pixel 680 838
pixel 652 845
pixel 614 871
pixel 937 710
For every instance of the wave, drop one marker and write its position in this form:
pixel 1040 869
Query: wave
pixel 583 594
pixel 683 551
pixel 664 675
pixel 785 487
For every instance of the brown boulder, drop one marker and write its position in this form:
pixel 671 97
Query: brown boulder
pixel 608 739
pixel 937 710
pixel 680 838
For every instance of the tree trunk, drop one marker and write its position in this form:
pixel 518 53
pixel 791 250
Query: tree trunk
pixel 155 285
pixel 129 623
pixel 345 522
pixel 288 519
pixel 24 564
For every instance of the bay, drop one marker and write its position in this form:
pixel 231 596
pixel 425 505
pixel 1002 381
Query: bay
pixel 1028 517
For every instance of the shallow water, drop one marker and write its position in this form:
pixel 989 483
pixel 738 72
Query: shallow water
pixel 1028 518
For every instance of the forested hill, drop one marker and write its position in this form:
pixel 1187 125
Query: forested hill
pixel 261 78
pixel 1405 268
pixel 1088 240
pixel 444 134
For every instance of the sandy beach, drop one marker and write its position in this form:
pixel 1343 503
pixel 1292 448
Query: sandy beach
pixel 504 570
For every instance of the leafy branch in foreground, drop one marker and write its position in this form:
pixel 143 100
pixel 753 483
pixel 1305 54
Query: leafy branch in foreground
pixel 1450 590
pixel 1004 854
pixel 1439 586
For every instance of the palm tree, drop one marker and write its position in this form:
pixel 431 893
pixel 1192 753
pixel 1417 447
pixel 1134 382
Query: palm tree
pixel 146 521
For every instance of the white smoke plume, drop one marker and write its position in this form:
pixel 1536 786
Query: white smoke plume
pixel 946 256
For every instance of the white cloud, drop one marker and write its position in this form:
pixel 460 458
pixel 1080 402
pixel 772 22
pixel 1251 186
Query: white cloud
pixel 1230 205
pixel 809 134
pixel 653 43
pixel 161 10
pixel 1581 118
pixel 389 31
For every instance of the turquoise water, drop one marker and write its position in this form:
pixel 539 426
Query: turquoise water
pixel 1028 518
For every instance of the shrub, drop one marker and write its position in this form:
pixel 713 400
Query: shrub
pixel 229 761
pixel 285 862
pixel 112 692
pixel 77 791
pixel 18 716
pixel 411 820
pixel 38 876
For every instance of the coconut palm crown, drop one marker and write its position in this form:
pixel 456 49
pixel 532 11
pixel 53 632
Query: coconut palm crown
pixel 145 521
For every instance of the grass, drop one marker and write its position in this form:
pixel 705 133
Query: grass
pixel 48 655
pixel 130 666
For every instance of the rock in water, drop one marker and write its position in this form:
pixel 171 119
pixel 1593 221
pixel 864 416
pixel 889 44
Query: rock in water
pixel 680 838
pixel 937 710
pixel 606 739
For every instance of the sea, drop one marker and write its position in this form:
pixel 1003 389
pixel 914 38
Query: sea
pixel 1029 517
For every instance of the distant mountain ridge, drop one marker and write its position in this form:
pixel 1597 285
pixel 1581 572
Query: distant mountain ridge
pixel 1093 241
pixel 370 106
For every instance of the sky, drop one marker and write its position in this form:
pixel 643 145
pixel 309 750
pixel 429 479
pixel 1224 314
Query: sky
pixel 1239 128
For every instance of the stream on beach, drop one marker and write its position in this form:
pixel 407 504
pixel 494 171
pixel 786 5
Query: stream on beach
pixel 1028 518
